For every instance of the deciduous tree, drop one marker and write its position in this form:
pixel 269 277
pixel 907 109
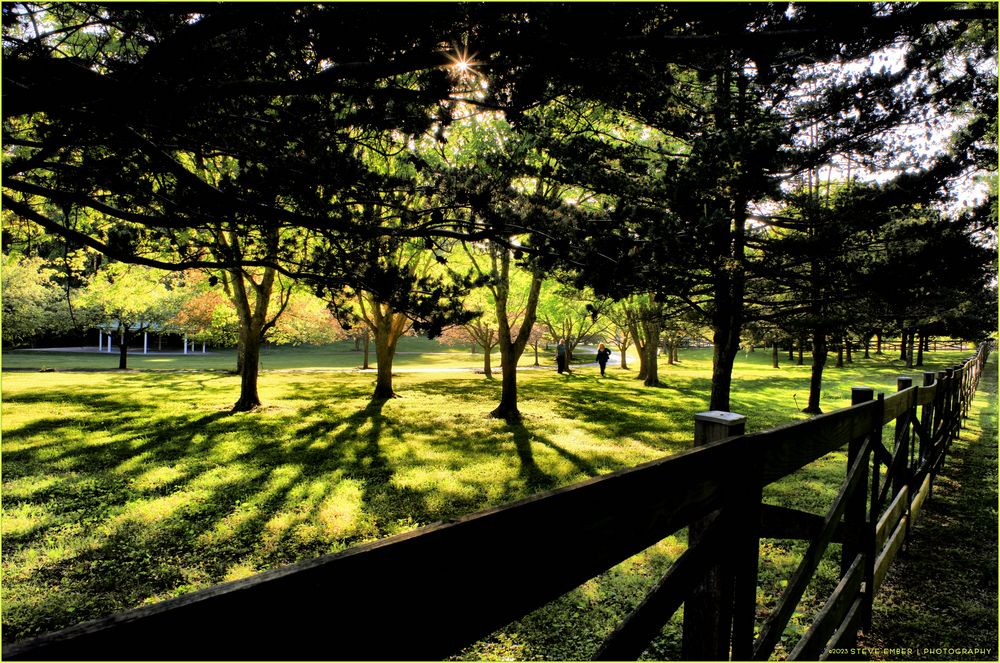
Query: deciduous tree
pixel 132 300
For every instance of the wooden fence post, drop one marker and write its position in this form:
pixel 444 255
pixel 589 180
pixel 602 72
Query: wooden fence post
pixel 955 375
pixel 927 419
pixel 903 439
pixel 966 393
pixel 941 405
pixel 708 611
pixel 859 528
pixel 854 515
pixel 746 562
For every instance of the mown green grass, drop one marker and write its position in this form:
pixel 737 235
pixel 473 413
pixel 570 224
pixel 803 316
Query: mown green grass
pixel 412 353
pixel 125 488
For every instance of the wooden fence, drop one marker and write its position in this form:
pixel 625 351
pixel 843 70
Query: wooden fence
pixel 934 344
pixel 426 594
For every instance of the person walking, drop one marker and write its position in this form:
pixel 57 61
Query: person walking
pixel 603 354
pixel 561 357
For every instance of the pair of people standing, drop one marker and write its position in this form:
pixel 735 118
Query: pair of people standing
pixel 603 354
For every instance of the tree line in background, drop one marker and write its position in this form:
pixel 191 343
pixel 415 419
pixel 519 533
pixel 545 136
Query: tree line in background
pixel 801 174
pixel 127 301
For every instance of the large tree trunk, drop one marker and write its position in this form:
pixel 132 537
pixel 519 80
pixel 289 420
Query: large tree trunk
pixel 123 341
pixel 249 398
pixel 487 369
pixel 816 377
pixel 651 329
pixel 507 408
pixel 729 239
pixel 643 361
pixel 774 355
pixel 727 324
pixel 921 343
pixel 253 324
pixel 248 360
pixel 367 341
pixel 726 347
pixel 635 327
pixel 240 352
pixel 385 351
pixel 251 300
pixel 511 347
pixel 387 327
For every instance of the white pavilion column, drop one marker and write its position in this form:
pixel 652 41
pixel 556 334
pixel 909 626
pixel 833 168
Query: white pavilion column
pixel 185 343
pixel 145 343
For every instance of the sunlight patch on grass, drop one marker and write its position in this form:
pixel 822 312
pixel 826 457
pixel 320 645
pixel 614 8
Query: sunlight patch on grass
pixel 230 524
pixel 239 571
pixel 322 510
pixel 158 477
pixel 282 477
pixel 229 447
pixel 24 518
pixel 242 514
pixel 220 476
pixel 149 511
pixel 26 487
pixel 341 513
pixel 276 528
pixel 134 464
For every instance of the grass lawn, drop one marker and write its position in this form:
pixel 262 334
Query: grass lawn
pixel 412 353
pixel 125 488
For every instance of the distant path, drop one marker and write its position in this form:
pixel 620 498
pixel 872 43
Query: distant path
pixel 939 601
pixel 94 350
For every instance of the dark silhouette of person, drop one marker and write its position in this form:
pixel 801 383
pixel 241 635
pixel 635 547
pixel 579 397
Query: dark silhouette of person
pixel 561 357
pixel 603 354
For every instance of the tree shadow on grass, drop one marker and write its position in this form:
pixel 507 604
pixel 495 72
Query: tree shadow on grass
pixel 534 477
pixel 181 505
pixel 523 439
pixel 174 501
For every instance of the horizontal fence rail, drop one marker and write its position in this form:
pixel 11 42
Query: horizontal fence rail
pixel 426 594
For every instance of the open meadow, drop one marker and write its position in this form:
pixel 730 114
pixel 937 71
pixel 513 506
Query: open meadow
pixel 412 353
pixel 122 488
